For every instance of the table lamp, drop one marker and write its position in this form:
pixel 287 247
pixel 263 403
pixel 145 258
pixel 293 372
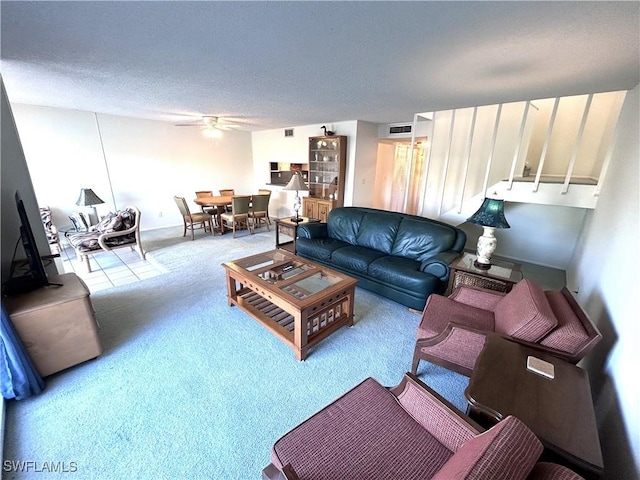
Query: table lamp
pixel 88 198
pixel 490 216
pixel 296 184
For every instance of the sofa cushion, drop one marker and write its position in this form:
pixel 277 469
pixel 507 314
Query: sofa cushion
pixel 378 231
pixel 344 224
pixel 356 259
pixel 320 248
pixel 420 240
pixel 390 443
pixel 569 335
pixel 524 313
pixel 403 273
pixel 508 451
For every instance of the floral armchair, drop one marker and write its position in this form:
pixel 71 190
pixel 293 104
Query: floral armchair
pixel 116 230
pixel 407 432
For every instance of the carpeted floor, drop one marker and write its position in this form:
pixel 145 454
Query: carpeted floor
pixel 190 388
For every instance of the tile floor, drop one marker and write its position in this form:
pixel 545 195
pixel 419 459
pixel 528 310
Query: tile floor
pixel 110 269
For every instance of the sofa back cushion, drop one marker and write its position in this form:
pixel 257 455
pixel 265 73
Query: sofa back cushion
pixel 378 231
pixel 524 313
pixel 507 451
pixel 344 224
pixel 569 336
pixel 422 239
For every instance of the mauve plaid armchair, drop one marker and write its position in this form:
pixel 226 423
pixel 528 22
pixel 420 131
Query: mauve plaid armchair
pixel 405 433
pixel 453 329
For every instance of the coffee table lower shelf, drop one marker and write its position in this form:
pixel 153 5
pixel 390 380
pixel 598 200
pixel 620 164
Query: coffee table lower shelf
pixel 301 329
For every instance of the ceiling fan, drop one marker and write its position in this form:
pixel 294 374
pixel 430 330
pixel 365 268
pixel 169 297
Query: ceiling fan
pixel 211 125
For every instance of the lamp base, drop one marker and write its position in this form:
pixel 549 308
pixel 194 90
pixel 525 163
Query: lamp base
pixel 296 219
pixel 481 266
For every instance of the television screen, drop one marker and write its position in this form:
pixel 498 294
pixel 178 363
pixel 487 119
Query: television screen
pixel 37 276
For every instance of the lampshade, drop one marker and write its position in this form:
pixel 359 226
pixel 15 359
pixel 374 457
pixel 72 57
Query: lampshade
pixel 88 198
pixel 296 183
pixel 490 214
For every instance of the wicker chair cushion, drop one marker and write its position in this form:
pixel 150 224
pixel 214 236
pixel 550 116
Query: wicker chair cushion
pixel 440 311
pixel 569 336
pixel 364 434
pixel 524 313
pixel 507 451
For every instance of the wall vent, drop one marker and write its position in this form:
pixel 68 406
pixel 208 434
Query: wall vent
pixel 400 129
pixel 288 132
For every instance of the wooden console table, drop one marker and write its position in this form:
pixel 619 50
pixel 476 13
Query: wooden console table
pixel 56 324
pixel 558 410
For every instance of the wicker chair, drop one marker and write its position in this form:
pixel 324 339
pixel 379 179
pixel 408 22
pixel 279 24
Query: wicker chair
pixel 453 329
pixel 192 221
pixel 408 432
pixel 227 192
pixel 266 191
pixel 259 211
pixel 213 211
pixel 239 215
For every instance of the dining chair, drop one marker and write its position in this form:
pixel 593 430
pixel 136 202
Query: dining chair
pixel 239 215
pixel 213 211
pixel 190 220
pixel 266 191
pixel 227 192
pixel 259 211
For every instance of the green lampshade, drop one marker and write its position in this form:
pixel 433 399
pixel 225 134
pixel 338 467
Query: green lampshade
pixel 490 214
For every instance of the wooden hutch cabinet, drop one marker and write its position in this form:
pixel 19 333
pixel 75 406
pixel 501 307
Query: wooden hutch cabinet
pixel 327 165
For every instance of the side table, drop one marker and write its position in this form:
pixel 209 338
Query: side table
pixel 558 410
pixel 500 277
pixel 288 227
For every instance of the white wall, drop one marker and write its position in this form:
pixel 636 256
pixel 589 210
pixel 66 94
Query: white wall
pixel 604 270
pixel 364 174
pixel 272 146
pixel 145 162
pixel 541 234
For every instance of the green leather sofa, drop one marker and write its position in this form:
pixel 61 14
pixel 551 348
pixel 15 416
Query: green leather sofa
pixel 402 257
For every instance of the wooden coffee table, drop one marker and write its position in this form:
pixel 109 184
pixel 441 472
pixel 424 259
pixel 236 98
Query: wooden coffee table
pixel 299 301
pixel 559 410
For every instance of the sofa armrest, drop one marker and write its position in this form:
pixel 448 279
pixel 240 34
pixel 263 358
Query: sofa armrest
pixel 438 265
pixel 434 413
pixel 313 230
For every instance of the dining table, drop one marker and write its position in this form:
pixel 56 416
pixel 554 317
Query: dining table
pixel 220 202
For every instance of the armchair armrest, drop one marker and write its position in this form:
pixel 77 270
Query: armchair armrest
pixel 102 239
pixel 271 472
pixel 312 230
pixel 456 347
pixel 434 413
pixel 438 265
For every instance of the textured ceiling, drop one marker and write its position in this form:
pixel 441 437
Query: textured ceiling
pixel 278 64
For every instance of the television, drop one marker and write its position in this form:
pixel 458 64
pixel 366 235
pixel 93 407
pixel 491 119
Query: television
pixel 37 276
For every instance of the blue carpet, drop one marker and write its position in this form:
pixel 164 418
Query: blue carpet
pixel 189 387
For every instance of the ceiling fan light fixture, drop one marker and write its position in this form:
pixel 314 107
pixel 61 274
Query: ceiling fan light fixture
pixel 211 132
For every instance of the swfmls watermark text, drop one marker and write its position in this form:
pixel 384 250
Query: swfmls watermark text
pixel 35 466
